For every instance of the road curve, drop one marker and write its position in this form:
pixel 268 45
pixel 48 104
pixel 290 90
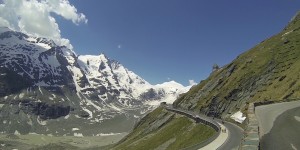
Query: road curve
pixel 235 133
pixel 279 125
pixel 235 137
pixel 216 143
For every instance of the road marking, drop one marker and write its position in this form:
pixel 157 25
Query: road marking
pixel 294 148
pixel 297 118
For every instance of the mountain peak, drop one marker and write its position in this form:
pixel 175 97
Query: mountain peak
pixel 171 83
pixel 103 55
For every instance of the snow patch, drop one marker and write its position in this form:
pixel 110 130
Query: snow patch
pixel 107 134
pixel 78 135
pixel 17 132
pixel 41 90
pixel 114 107
pixel 43 45
pixel 75 129
pixel 88 111
pixel 33 133
pixel 21 95
pixel 297 118
pixel 76 77
pixel 89 102
pixel 293 146
pixel 29 122
pixel 67 116
pixel 153 103
pixel 238 117
pixel 41 122
pixel 31 39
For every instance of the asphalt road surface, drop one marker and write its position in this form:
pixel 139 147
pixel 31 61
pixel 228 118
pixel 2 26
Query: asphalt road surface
pixel 267 114
pixel 235 132
pixel 234 139
pixel 285 133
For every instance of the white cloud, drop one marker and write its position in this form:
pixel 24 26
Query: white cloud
pixel 192 82
pixel 119 46
pixel 68 11
pixel 34 17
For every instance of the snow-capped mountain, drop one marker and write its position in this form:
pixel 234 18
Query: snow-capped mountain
pixel 44 83
pixel 113 78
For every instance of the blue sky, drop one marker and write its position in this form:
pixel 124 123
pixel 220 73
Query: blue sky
pixel 175 39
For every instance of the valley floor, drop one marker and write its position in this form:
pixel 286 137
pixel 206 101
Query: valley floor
pixel 32 141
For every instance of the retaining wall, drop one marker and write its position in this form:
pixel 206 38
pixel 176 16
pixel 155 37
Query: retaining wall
pixel 251 134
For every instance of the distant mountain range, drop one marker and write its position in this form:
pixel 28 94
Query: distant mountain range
pixel 48 89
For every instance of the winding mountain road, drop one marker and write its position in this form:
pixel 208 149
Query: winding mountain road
pixel 235 133
pixel 235 137
pixel 279 125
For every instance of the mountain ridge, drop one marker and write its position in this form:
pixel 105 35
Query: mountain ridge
pixel 47 82
pixel 268 71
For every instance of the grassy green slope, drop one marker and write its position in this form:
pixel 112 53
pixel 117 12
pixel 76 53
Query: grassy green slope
pixel 268 71
pixel 165 130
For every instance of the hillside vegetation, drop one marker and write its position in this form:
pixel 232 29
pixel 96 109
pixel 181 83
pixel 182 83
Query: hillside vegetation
pixel 161 129
pixel 270 71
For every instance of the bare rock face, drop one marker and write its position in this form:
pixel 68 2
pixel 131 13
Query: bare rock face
pixel 11 82
pixel 151 94
pixel 44 110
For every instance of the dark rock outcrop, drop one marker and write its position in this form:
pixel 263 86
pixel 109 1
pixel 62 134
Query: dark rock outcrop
pixel 44 110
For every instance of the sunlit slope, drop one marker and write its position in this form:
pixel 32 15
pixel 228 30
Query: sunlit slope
pixel 165 130
pixel 268 71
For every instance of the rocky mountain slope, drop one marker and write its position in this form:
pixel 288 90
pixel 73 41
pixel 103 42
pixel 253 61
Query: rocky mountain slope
pixel 44 86
pixel 268 72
